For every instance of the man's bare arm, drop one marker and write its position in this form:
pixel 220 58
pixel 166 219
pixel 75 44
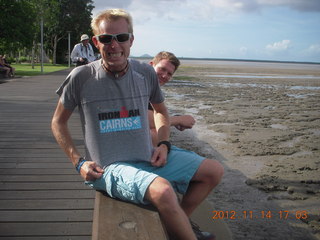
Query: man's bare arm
pixel 59 125
pixel 162 125
pixel 182 122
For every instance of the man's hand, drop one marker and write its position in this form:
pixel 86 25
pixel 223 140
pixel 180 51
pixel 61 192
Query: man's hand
pixel 183 122
pixel 159 157
pixel 90 171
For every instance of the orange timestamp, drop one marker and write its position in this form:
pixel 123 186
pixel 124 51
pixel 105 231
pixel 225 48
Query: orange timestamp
pixel 263 214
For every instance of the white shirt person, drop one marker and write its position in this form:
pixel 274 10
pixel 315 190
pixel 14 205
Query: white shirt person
pixel 82 53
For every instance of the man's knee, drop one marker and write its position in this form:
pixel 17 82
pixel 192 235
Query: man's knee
pixel 219 170
pixel 160 192
pixel 210 171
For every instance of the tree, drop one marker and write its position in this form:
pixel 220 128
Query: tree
pixel 16 25
pixel 66 15
pixel 20 24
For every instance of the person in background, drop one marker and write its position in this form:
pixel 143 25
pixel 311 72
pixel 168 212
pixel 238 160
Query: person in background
pixel 9 71
pixel 112 96
pixel 4 57
pixel 165 64
pixel 82 53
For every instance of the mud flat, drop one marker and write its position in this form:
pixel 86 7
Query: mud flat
pixel 262 121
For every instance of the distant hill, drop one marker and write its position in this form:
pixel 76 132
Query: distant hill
pixel 146 56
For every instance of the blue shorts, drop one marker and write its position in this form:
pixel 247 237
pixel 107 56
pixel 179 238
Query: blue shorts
pixel 129 181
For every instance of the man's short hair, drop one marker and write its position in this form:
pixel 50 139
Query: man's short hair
pixel 167 56
pixel 111 15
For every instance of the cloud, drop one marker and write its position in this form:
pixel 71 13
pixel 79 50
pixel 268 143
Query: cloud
pixel 235 5
pixel 144 10
pixel 279 46
pixel 243 50
pixel 299 5
pixel 102 4
pixel 257 5
pixel 224 24
pixel 311 53
pixel 315 49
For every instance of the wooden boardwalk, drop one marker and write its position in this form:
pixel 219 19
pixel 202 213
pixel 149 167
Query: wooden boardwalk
pixel 41 194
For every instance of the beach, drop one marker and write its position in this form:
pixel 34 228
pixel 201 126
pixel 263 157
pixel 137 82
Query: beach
pixel 261 120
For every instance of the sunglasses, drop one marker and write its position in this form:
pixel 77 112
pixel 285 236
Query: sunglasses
pixel 107 38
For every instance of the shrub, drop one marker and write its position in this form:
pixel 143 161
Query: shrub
pixel 23 59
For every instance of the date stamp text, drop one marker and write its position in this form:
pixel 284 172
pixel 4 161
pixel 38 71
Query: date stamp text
pixel 263 214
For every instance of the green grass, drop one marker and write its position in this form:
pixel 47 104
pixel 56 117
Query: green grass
pixel 26 69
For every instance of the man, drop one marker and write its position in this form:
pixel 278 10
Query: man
pixel 112 96
pixel 82 53
pixel 4 68
pixel 4 64
pixel 165 64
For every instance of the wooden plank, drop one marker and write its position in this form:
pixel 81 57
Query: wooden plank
pixel 32 204
pixel 34 160
pixel 46 229
pixel 42 185
pixel 118 220
pixel 46 216
pixel 42 178
pixel 37 165
pixel 29 154
pixel 30 145
pixel 48 194
pixel 38 171
pixel 46 238
pixel 32 153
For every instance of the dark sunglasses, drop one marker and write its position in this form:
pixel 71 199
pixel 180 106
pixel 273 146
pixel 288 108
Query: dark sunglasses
pixel 107 38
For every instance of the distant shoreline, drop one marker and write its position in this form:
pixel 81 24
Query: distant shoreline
pixel 231 59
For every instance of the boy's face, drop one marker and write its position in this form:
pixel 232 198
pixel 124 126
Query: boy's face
pixel 165 70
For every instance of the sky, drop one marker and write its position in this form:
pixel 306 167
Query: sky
pixel 280 30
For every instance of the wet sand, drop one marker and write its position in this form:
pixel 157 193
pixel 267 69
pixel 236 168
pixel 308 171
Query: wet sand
pixel 262 121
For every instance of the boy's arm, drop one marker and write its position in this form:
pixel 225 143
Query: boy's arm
pixel 182 122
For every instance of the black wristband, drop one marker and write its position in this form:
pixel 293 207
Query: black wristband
pixel 167 143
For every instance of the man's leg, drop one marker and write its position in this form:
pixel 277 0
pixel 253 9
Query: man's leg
pixel 163 197
pixel 205 179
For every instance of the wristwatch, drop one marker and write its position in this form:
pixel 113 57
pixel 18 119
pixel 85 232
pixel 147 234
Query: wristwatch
pixel 167 143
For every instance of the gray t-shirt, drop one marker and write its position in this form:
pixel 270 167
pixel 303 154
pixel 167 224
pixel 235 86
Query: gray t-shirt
pixel 113 112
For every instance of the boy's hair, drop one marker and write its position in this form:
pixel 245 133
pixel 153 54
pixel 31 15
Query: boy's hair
pixel 111 15
pixel 168 56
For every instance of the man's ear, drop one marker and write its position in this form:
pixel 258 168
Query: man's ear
pixel 95 41
pixel 131 40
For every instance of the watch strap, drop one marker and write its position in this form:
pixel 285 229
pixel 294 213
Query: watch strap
pixel 167 143
pixel 80 163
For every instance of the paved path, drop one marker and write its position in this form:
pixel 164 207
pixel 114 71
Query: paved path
pixel 41 195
